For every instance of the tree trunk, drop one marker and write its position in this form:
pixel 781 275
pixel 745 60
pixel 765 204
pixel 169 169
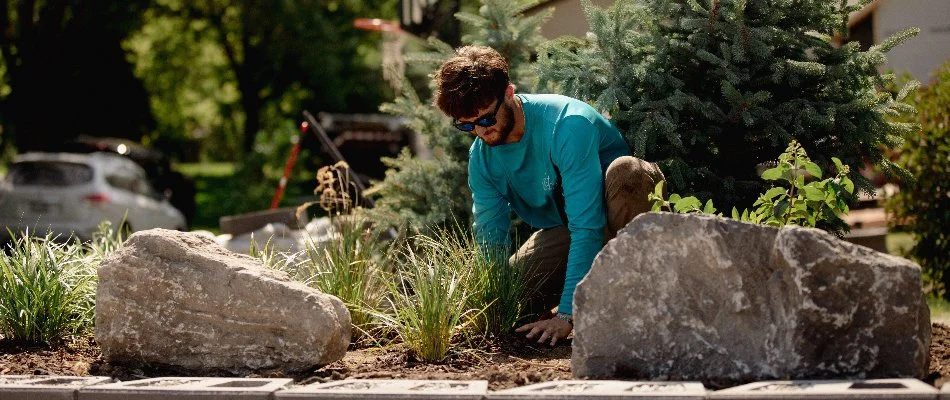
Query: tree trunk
pixel 252 119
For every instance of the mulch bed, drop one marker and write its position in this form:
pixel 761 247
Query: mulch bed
pixel 508 363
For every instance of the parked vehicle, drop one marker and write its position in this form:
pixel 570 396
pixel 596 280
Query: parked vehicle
pixel 70 193
pixel 178 188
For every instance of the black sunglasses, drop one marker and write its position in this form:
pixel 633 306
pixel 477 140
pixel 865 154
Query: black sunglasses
pixel 484 121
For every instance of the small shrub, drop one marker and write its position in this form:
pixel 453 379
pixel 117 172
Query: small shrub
pixel 813 204
pixel 106 240
pixel 47 289
pixel 431 300
pixel 922 206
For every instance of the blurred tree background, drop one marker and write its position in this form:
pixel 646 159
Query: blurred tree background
pixel 65 72
pixel 203 79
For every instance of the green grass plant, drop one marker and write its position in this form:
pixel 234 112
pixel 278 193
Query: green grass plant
pixel 353 266
pixel 47 289
pixel 431 302
pixel 273 259
pixel 497 288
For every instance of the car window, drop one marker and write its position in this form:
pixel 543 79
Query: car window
pixel 49 173
pixel 126 183
pixel 144 188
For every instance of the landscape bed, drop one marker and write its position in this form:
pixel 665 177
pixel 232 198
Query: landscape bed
pixel 510 363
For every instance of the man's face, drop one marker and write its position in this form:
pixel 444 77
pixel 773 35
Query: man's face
pixel 500 132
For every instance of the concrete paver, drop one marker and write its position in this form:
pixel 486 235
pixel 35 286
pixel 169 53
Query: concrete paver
pixel 905 389
pixel 44 387
pixel 186 388
pixel 603 390
pixel 369 389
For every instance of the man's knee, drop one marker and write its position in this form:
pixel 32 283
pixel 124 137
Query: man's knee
pixel 627 186
pixel 632 175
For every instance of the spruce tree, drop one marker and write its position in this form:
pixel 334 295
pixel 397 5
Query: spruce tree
pixel 423 194
pixel 712 90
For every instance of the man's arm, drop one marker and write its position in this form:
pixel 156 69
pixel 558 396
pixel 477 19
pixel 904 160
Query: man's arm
pixel 575 152
pixel 492 214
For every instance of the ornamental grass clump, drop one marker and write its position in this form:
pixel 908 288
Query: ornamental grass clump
pixel 354 264
pixel 432 298
pixel 498 289
pixel 47 289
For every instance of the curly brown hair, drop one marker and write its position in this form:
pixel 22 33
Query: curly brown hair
pixel 471 80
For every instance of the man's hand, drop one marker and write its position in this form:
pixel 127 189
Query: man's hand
pixel 553 329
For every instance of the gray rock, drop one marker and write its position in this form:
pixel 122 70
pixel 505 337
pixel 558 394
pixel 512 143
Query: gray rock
pixel 700 297
pixel 178 299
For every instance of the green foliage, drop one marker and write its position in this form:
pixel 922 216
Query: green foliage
pixel 48 288
pixel 498 290
pixel 354 266
pixel 711 89
pixel 817 203
pixel 220 73
pixel 192 92
pixel 235 188
pixel 424 194
pixel 431 300
pixel 55 54
pixel 922 206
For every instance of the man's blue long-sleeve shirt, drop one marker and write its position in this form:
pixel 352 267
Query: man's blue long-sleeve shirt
pixel 559 131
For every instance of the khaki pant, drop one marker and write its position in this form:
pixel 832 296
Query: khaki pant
pixel 627 183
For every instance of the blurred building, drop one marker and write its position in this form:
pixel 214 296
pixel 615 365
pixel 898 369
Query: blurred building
pixel 922 55
pixel 568 17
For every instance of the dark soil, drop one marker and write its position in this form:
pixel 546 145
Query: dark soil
pixel 507 363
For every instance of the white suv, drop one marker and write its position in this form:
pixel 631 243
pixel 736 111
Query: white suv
pixel 73 193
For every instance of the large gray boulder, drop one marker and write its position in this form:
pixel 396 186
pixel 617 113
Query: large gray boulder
pixel 178 299
pixel 700 297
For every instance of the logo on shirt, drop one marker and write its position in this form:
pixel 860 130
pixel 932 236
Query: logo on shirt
pixel 548 183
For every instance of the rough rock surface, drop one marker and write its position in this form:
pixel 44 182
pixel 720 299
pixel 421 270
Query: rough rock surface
pixel 707 298
pixel 181 300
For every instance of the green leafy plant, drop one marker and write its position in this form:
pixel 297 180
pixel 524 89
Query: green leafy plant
pixel 817 203
pixel 47 289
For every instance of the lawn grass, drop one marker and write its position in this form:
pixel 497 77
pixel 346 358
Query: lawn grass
pixel 898 243
pixel 939 310
pixel 219 169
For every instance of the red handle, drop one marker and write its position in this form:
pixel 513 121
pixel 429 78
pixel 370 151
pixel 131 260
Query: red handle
pixel 289 167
